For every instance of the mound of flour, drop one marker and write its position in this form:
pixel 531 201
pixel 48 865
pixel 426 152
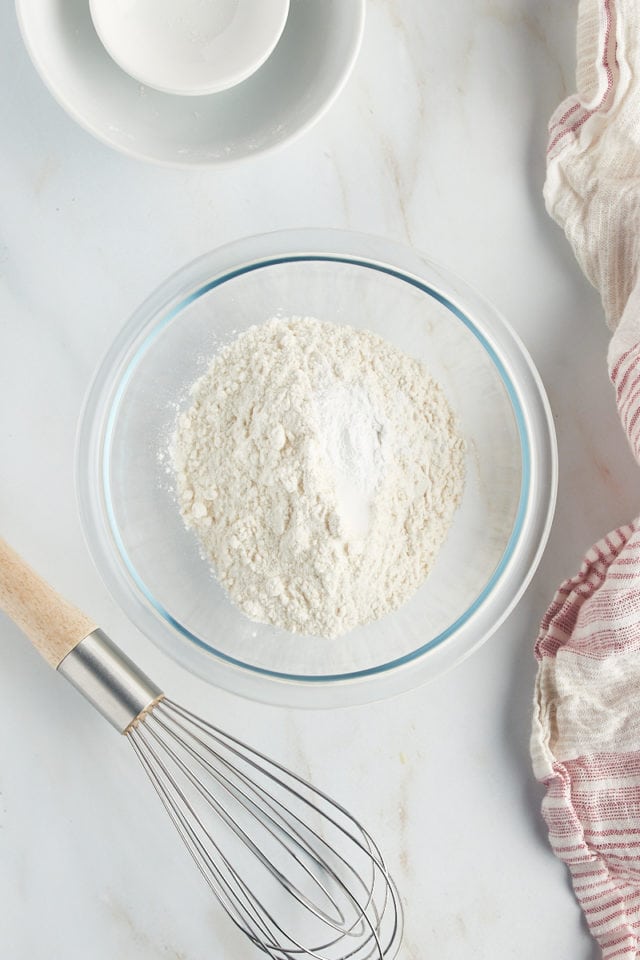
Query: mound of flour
pixel 320 468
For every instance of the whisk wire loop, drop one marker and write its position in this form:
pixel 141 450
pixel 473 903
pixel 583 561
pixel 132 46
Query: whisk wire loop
pixel 221 737
pixel 219 885
pixel 242 913
pixel 251 824
pixel 269 821
pixel 226 895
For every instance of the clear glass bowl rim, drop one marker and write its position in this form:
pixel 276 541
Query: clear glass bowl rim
pixel 529 404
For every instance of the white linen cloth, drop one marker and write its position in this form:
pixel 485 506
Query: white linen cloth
pixel 585 741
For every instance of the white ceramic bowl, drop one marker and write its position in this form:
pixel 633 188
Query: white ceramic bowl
pixel 189 47
pixel 152 563
pixel 307 69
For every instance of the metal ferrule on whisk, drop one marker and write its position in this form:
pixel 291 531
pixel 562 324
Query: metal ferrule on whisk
pixel 109 680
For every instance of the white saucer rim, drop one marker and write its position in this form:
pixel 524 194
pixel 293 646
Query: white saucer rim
pixel 218 161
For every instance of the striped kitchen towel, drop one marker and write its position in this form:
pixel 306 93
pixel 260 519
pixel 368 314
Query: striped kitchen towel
pixel 585 740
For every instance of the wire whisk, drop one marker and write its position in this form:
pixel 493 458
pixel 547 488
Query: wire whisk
pixel 252 825
pixel 295 871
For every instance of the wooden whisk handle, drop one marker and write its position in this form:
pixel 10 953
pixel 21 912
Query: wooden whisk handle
pixel 53 625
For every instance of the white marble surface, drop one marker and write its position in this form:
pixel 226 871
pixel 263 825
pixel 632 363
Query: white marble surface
pixel 438 140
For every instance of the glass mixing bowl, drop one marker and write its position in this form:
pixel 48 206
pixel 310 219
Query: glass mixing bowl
pixel 152 564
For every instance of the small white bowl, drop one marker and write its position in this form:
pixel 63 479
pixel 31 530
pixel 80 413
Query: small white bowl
pixel 291 91
pixel 186 46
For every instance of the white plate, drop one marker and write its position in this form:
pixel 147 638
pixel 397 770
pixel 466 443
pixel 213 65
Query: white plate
pixel 291 91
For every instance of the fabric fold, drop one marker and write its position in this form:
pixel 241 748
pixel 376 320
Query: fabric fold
pixel 585 742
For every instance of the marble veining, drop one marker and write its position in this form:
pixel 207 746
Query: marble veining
pixel 439 140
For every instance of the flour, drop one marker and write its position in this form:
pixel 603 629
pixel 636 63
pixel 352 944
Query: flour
pixel 320 468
